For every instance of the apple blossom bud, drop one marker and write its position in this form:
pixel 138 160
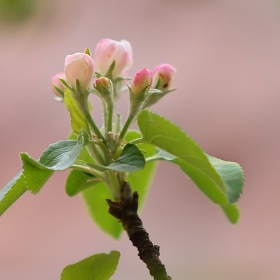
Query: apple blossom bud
pixel 57 86
pixel 104 86
pixel 79 66
pixel 141 82
pixel 108 52
pixel 162 76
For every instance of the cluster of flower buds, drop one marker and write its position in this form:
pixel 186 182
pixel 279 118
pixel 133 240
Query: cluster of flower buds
pixel 111 60
pixel 104 76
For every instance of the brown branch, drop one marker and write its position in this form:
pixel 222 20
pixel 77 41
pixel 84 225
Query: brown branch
pixel 126 212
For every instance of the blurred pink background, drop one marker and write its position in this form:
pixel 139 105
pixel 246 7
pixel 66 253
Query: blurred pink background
pixel 227 54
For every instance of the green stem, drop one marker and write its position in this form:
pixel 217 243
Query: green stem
pixel 94 152
pixel 114 185
pixel 126 126
pixel 88 169
pixel 83 105
pixel 110 110
pixel 105 117
pixel 94 126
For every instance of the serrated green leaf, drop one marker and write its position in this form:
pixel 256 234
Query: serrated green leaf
pixel 58 156
pixel 97 267
pixel 11 192
pixel 163 134
pixel 78 181
pixel 192 160
pixel 78 120
pixel 202 181
pixel 62 154
pixel 230 172
pixel 95 200
pixel 131 159
pixel 35 175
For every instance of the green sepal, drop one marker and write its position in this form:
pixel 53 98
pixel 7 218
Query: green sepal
pixel 11 192
pixel 109 73
pixel 65 84
pixel 88 52
pixel 154 95
pixel 61 92
pixel 97 267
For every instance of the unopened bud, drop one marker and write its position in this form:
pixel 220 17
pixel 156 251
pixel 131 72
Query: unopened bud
pixel 162 76
pixel 105 87
pixel 103 83
pixel 110 51
pixel 57 86
pixel 141 82
pixel 81 67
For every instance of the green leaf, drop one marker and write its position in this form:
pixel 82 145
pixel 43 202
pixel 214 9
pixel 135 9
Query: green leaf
pixel 58 156
pixel 78 120
pixel 84 155
pixel 232 175
pixel 78 181
pixel 203 182
pixel 97 267
pixel 95 200
pixel 181 149
pixel 62 154
pixel 35 175
pixel 232 212
pixel 131 159
pixel 141 180
pixel 11 192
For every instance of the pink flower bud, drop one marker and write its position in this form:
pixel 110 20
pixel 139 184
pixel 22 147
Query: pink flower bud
pixel 79 66
pixel 103 85
pixel 107 51
pixel 57 86
pixel 163 75
pixel 141 81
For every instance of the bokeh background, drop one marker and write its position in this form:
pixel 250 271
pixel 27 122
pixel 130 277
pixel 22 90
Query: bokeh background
pixel 228 99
